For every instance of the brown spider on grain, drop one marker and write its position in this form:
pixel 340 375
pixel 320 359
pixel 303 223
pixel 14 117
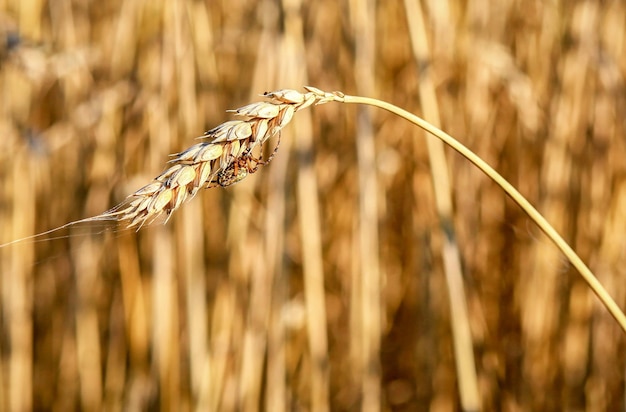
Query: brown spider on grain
pixel 243 166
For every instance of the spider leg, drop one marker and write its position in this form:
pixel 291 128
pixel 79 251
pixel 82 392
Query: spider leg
pixel 236 166
pixel 249 160
pixel 271 156
pixel 269 159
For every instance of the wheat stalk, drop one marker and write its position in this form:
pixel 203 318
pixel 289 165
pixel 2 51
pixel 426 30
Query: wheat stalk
pixel 517 197
pixel 226 158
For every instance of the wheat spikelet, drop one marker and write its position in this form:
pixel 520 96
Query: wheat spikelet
pixel 223 159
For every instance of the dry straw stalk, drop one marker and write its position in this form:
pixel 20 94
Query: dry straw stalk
pixel 528 208
pixel 227 158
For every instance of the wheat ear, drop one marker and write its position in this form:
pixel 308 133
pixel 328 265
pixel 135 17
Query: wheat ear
pixel 224 158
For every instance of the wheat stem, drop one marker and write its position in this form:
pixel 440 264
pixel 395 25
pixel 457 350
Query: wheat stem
pixel 530 210
pixel 231 142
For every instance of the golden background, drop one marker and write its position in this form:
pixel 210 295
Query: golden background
pixel 317 283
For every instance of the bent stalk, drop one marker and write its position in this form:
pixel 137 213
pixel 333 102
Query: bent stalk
pixel 530 210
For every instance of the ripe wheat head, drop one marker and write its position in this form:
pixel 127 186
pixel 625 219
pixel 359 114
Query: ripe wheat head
pixel 223 158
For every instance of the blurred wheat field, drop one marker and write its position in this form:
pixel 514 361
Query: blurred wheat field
pixel 318 282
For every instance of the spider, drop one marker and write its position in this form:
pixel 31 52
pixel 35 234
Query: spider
pixel 242 166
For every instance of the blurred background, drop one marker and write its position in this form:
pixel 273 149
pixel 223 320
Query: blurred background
pixel 322 281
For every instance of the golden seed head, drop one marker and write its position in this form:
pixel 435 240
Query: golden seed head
pixel 222 160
